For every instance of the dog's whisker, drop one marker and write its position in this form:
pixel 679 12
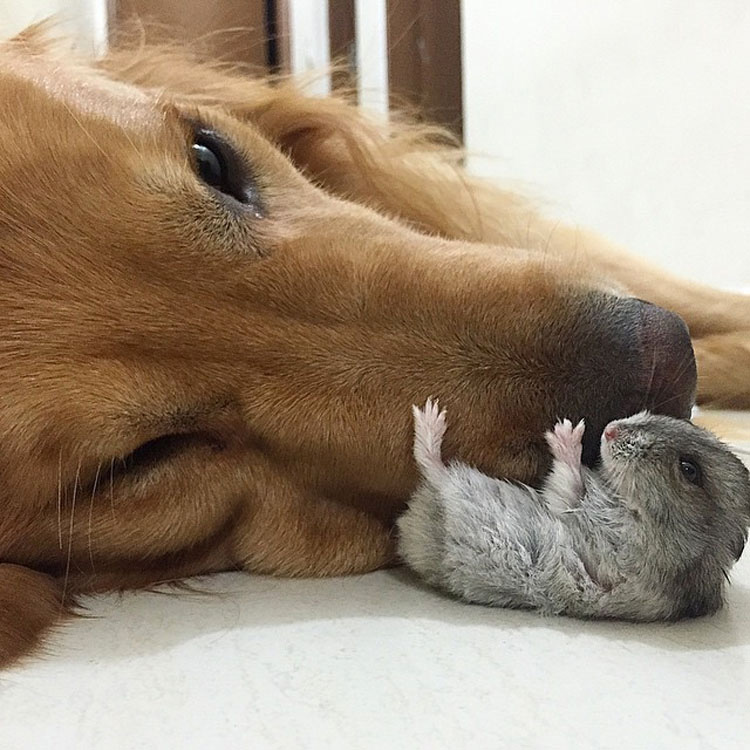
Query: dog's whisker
pixel 91 515
pixel 71 529
pixel 86 132
pixel 59 499
pixel 678 395
pixel 650 381
pixel 112 488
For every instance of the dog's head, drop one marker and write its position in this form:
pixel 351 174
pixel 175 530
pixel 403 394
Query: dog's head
pixel 190 326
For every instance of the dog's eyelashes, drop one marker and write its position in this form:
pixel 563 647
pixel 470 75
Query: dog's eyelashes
pixel 218 165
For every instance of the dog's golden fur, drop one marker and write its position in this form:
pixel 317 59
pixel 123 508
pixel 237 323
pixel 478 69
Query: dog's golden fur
pixel 185 388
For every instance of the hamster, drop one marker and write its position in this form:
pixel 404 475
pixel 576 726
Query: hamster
pixel 648 535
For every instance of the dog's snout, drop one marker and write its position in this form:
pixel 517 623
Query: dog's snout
pixel 639 357
pixel 669 377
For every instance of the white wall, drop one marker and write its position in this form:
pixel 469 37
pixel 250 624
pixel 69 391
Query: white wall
pixel 85 20
pixel 309 44
pixel 631 117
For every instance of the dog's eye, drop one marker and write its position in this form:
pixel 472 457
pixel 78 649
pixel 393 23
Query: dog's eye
pixel 209 165
pixel 691 471
pixel 219 166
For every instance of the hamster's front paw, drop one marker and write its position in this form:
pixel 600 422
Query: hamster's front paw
pixel 563 486
pixel 565 442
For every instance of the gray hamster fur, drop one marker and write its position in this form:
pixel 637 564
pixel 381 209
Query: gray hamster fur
pixel 648 535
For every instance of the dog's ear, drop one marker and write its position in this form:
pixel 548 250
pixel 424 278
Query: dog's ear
pixel 30 603
pixel 37 39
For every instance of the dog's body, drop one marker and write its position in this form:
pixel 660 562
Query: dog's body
pixel 207 281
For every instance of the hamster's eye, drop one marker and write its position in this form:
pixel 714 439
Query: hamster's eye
pixel 691 471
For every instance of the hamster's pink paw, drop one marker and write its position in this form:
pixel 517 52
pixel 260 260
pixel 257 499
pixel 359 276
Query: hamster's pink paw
pixel 565 442
pixel 430 421
pixel 429 429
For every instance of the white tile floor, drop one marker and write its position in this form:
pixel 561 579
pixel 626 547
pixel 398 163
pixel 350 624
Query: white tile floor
pixel 377 662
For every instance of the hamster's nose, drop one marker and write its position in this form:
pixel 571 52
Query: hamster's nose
pixel 611 432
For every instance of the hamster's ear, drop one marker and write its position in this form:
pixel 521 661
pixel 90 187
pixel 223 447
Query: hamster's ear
pixel 30 603
pixel 737 545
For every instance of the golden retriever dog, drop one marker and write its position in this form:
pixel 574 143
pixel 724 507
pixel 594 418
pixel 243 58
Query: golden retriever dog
pixel 219 299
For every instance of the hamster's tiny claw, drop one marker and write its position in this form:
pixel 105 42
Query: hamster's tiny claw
pixel 579 429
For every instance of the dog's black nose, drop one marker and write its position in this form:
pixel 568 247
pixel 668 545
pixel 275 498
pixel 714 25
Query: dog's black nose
pixel 669 376
pixel 636 356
